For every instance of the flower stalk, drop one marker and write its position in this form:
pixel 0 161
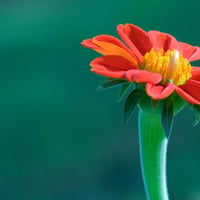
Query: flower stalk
pixel 153 150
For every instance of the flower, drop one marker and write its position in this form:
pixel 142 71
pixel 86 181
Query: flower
pixel 153 58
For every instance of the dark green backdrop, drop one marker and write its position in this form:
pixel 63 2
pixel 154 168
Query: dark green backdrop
pixel 59 138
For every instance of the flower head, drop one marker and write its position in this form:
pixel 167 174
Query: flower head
pixel 152 58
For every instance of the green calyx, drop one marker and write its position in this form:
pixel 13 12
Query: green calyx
pixel 136 96
pixel 166 108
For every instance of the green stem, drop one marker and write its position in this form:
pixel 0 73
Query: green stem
pixel 153 149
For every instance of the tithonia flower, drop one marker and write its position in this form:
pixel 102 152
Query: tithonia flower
pixel 154 59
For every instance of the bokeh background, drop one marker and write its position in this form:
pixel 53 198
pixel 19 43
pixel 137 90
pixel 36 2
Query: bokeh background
pixel 59 138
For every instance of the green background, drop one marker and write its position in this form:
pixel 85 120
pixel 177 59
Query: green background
pixel 59 138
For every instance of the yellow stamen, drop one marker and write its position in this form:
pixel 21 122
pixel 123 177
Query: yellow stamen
pixel 170 64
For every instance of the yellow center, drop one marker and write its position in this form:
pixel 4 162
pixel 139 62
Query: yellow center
pixel 170 64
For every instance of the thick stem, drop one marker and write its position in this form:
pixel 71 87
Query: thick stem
pixel 153 149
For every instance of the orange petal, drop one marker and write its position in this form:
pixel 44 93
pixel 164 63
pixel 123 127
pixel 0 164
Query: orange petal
pixel 111 39
pixel 142 76
pixel 192 53
pixel 111 49
pixel 190 91
pixel 136 38
pixel 89 44
pixel 109 45
pixel 113 61
pixel 107 71
pixel 159 91
pixel 195 74
pixel 111 66
pixel 162 40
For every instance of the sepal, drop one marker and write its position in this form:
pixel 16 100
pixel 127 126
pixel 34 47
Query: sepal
pixel 124 89
pixel 167 116
pixel 131 103
pixel 196 109
pixel 111 82
pixel 178 103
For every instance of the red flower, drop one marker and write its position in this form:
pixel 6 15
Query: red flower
pixel 152 58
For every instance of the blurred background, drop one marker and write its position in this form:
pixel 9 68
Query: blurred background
pixel 59 138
